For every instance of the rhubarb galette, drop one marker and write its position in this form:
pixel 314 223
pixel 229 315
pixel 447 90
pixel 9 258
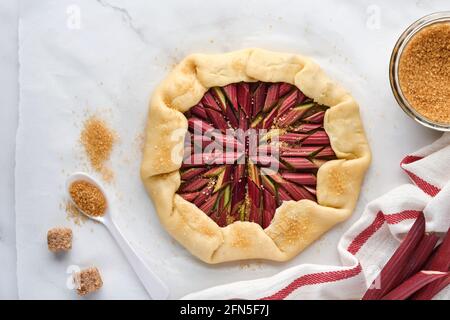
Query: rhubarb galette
pixel 252 154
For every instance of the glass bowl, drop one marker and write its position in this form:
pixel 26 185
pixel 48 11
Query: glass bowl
pixel 394 65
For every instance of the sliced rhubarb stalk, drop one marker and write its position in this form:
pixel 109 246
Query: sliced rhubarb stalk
pixel 226 158
pixel 244 98
pixel 267 150
pixel 283 196
pixel 253 173
pixel 266 161
pixel 190 196
pixel 239 172
pixel 223 179
pixel 293 115
pixel 317 138
pixel 316 117
pixel 223 207
pixel 226 141
pixel 285 88
pixel 299 163
pixel 217 119
pixel 301 98
pixel 276 177
pixel 214 172
pixel 307 127
pixel 234 121
pixel 270 135
pixel 268 184
pixel 231 93
pixel 193 185
pixel 269 119
pixel 253 191
pixel 192 173
pixel 238 195
pixel 302 151
pixel 326 152
pixel 243 121
pixel 199 111
pixel 259 97
pixel 269 205
pixel 391 273
pixel 220 98
pixel 197 124
pixel 208 205
pixel 288 102
pixel 193 161
pixel 271 97
pixel 255 198
pixel 257 121
pixel 300 178
pixel 439 261
pixel 292 137
pixel 414 284
pixel 203 195
pixel 226 196
pixel 318 162
pixel 209 101
pixel 422 253
pixel 202 140
pixel 311 189
pixel 297 192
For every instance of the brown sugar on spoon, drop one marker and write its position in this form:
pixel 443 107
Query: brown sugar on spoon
pixel 88 198
pixel 424 72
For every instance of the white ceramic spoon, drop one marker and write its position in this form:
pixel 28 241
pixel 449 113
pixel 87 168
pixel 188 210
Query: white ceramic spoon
pixel 152 283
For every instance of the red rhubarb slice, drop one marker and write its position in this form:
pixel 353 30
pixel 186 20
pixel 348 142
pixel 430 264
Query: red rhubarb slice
pixel 439 261
pixel 271 97
pixel 288 102
pixel 259 97
pixel 285 88
pixel 199 111
pixel 300 178
pixel 293 115
pixel 244 98
pixel 414 284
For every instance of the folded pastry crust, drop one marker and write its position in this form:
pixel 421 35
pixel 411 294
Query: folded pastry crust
pixel 296 224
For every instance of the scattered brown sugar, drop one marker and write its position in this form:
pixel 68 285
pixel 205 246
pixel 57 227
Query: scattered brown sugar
pixel 72 213
pixel 424 72
pixel 98 141
pixel 88 198
pixel 87 281
pixel 59 239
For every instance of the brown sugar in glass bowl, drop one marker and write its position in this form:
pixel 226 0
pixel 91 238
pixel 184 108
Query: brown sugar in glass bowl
pixel 420 71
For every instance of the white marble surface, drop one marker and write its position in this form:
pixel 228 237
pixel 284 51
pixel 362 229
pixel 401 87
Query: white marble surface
pixel 358 61
pixel 8 125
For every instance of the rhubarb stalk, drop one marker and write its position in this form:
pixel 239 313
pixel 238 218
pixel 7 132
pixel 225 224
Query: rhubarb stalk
pixel 391 274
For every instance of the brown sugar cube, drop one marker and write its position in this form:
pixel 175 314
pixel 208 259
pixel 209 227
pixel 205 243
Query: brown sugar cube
pixel 59 239
pixel 88 280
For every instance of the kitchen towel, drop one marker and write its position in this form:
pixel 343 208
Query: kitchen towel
pixel 366 247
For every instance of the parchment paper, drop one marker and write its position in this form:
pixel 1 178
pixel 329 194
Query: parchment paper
pixel 105 57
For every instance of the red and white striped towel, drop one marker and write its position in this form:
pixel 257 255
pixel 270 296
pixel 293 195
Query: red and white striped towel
pixel 366 247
